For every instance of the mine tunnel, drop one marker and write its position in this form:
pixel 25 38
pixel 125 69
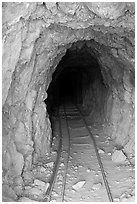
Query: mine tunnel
pixel 74 79
pixel 79 54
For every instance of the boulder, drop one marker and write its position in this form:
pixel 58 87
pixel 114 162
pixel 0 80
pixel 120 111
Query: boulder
pixel 118 157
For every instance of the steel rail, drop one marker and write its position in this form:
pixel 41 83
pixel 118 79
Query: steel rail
pixel 99 159
pixel 56 166
pixel 68 154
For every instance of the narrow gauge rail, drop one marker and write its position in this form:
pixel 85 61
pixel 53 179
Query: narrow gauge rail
pixel 75 111
pixel 48 196
pixel 99 159
pixel 56 165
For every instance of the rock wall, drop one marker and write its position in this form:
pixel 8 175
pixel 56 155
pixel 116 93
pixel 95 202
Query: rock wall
pixel 35 37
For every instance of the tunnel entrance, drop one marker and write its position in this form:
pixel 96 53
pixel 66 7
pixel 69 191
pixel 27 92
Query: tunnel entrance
pixel 76 79
pixel 71 52
pixel 79 79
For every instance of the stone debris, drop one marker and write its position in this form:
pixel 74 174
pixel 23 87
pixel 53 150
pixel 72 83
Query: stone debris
pixel 40 169
pixel 78 185
pixel 60 177
pixel 41 185
pixel 101 151
pixel 73 191
pixel 50 164
pixel 126 197
pixel 35 192
pixel 123 195
pixel 118 157
pixel 131 199
pixel 28 187
pixel 88 170
pixel 116 199
pixel 54 152
pixel 37 189
pixel 75 152
pixel 96 186
pixel 62 164
pixel 39 182
pixel 124 200
pixel 109 153
pixel 75 167
pixel 59 182
pixel 54 193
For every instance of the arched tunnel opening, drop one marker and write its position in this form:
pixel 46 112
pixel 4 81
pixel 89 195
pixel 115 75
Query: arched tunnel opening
pixel 57 53
pixel 74 80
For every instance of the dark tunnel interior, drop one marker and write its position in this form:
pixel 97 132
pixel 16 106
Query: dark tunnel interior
pixel 69 84
pixel 73 79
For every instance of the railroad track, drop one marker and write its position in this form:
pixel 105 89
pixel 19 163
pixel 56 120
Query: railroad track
pixel 70 141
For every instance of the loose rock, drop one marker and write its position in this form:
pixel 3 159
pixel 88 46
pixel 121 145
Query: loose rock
pixel 62 164
pixel 35 192
pixel 116 199
pixel 78 185
pixel 118 157
pixel 41 185
pixel 50 164
pixel 88 170
pixel 101 151
pixel 42 169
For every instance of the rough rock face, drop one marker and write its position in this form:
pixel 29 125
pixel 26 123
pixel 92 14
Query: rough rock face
pixel 35 38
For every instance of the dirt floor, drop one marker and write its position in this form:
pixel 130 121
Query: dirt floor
pixel 84 181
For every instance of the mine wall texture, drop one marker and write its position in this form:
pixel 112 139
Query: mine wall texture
pixel 35 38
